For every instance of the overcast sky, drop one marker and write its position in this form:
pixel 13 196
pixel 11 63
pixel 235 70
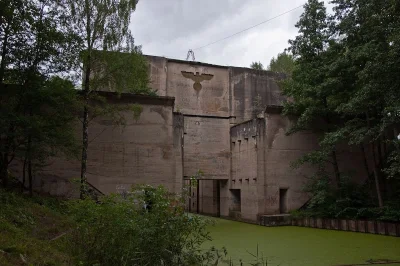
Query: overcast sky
pixel 171 27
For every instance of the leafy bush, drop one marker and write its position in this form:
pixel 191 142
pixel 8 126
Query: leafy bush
pixel 349 201
pixel 119 231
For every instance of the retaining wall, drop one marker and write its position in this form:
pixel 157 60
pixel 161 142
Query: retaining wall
pixel 362 226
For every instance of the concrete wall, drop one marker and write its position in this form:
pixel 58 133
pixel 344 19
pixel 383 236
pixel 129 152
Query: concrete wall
pixel 206 147
pixel 247 169
pixel 158 74
pixel 202 95
pixel 205 120
pixel 262 157
pixel 228 97
pixel 210 98
pixel 280 152
pixel 143 151
pixel 251 90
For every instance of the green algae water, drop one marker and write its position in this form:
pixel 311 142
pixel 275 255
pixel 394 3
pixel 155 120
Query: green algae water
pixel 290 245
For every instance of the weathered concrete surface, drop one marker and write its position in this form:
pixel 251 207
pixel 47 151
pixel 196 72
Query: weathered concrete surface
pixel 211 97
pixel 280 152
pixel 361 226
pixel 206 147
pixel 247 173
pixel 143 151
pixel 251 90
pixel 158 74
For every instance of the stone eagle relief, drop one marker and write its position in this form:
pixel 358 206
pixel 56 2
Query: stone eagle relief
pixel 197 78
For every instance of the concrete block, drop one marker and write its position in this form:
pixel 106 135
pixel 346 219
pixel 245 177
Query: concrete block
pixel 371 227
pixel 335 224
pixel 391 229
pixel 362 226
pixel 320 223
pixel 381 228
pixel 352 225
pixel 344 225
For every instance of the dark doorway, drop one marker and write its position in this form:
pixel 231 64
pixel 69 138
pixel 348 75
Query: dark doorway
pixel 218 198
pixel 236 202
pixel 283 200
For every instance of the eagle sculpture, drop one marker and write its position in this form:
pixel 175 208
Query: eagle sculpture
pixel 197 78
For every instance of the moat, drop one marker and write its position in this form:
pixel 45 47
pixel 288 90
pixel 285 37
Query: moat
pixel 290 245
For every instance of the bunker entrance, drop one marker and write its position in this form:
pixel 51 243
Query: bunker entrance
pixel 283 200
pixel 205 196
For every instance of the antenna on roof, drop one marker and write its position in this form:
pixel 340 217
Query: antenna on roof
pixel 190 54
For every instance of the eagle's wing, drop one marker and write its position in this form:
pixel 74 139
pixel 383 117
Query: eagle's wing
pixel 188 75
pixel 206 77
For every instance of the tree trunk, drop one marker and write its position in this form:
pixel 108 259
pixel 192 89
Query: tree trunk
pixel 336 168
pixel 29 156
pixel 86 90
pixel 24 173
pixel 30 176
pixel 85 133
pixel 376 177
pixel 5 162
pixel 84 150
pixel 4 53
pixel 4 169
pixel 365 160
pixel 380 155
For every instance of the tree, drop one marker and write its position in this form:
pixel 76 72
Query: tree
pixel 283 63
pixel 36 46
pixel 257 65
pixel 367 67
pixel 308 88
pixel 345 77
pixel 103 25
pixel 50 113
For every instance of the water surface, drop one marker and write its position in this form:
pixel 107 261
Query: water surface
pixel 291 245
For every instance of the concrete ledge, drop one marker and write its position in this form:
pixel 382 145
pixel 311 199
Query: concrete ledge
pixel 136 98
pixel 361 226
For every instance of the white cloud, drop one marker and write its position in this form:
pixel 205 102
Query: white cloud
pixel 171 28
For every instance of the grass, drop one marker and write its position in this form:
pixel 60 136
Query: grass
pixel 302 246
pixel 29 228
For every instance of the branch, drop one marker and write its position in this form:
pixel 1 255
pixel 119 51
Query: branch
pixel 98 135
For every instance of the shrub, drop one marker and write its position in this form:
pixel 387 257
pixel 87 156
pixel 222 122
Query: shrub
pixel 119 231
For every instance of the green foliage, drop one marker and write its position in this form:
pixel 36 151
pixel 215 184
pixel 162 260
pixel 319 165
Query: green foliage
pixel 27 227
pixel 257 66
pixel 344 88
pixel 110 60
pixel 350 201
pixel 119 71
pixel 306 87
pixel 116 230
pixel 163 235
pixel 393 170
pixel 283 63
pixel 38 104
